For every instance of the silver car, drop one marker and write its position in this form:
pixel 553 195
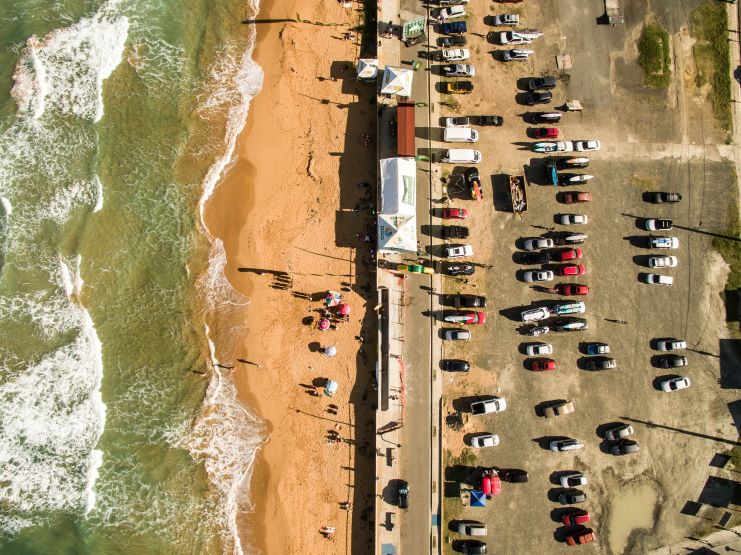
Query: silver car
pixel 531 276
pixel 573 219
pixel 516 54
pixel 536 243
pixel 561 445
pixel 618 432
pixel 662 262
pixel 675 384
pixel 671 344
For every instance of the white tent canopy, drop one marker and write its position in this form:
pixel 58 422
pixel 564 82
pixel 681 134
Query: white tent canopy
pixel 397 81
pixel 397 219
pixel 367 69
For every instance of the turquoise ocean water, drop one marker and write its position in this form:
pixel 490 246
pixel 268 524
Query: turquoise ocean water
pixel 117 433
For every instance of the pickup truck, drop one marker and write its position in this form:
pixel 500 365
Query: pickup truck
pixel 457 87
pixel 453 28
pixel 487 406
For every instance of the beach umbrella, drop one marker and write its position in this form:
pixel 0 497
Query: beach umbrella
pixel 478 499
pixel 324 324
pixel 333 298
pixel 330 388
pixel 344 309
pixel 330 351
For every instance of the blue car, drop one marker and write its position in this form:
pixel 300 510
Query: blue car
pixel 453 28
pixel 598 349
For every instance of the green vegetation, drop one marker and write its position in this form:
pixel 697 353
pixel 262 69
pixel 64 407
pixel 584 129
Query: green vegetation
pixel 709 24
pixel 465 458
pixel 646 183
pixel 730 249
pixel 736 458
pixel 653 56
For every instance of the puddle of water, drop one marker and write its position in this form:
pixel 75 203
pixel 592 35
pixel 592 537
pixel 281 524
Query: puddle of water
pixel 633 507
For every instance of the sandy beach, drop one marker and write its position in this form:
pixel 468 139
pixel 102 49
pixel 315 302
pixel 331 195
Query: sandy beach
pixel 292 216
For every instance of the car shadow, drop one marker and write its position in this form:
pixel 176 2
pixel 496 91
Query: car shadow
pixel 463 404
pixel 656 360
pixel 642 277
pixel 390 492
pixel 432 231
pixel 540 408
pixel 512 313
pixel 648 196
pixel 640 223
pixel 654 342
pixel 581 362
pixel 638 241
pixel 642 260
pixel 545 441
pixel 562 532
pixel 521 99
pixel 553 493
pixel 435 250
pixel 558 514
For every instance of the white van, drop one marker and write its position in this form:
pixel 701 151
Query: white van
pixel 461 156
pixel 460 135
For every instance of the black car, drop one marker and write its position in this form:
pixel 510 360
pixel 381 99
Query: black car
pixel 489 120
pixel 547 117
pixel 600 363
pixel 565 163
pixel 403 494
pixel 661 197
pixel 473 179
pixel 455 365
pixel 460 269
pixel 672 361
pixel 454 232
pixel 624 447
pixel 452 42
pixel 535 257
pixel 472 547
pixel 468 301
pixel 533 98
pixel 513 476
pixel 542 83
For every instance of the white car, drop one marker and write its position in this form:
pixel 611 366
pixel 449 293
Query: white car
pixel 455 54
pixel 451 12
pixel 531 276
pixel 664 243
pixel 573 480
pixel 536 314
pixel 662 262
pixel 460 121
pixel 457 251
pixel 586 146
pixel 538 349
pixel 656 279
pixel 485 440
pixel 459 70
pixel 573 219
pixel 537 243
pixel 671 344
pixel 675 384
pixel 506 19
pixel 513 37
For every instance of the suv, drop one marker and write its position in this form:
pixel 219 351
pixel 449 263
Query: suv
pixel 562 445
pixel 449 42
pixel 457 87
pixel 459 70
pixel 542 83
pixel 472 547
pixel 454 232
pixel 488 120
pixel 454 365
pixel 468 301
pixel 472 528
pixel 516 54
pixel 600 363
pixel 453 28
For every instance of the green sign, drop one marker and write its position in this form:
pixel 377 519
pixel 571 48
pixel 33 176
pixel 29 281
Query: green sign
pixel 413 28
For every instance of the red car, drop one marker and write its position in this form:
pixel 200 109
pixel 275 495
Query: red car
pixel 580 537
pixel 546 133
pixel 573 289
pixel 571 198
pixel 575 517
pixel 455 213
pixel 542 365
pixel 572 270
pixel 567 254
pixel 475 318
pixel 490 483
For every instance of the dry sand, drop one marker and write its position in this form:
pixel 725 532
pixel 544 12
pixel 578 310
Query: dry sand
pixel 287 206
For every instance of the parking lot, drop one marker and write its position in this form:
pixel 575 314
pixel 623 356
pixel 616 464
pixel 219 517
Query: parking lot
pixel 651 141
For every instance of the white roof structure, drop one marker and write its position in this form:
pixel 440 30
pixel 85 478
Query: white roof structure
pixel 397 219
pixel 367 69
pixel 397 81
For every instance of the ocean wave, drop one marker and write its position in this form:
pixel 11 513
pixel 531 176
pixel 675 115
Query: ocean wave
pixel 66 69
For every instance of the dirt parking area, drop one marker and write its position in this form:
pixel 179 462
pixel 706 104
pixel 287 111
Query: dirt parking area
pixel 651 141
